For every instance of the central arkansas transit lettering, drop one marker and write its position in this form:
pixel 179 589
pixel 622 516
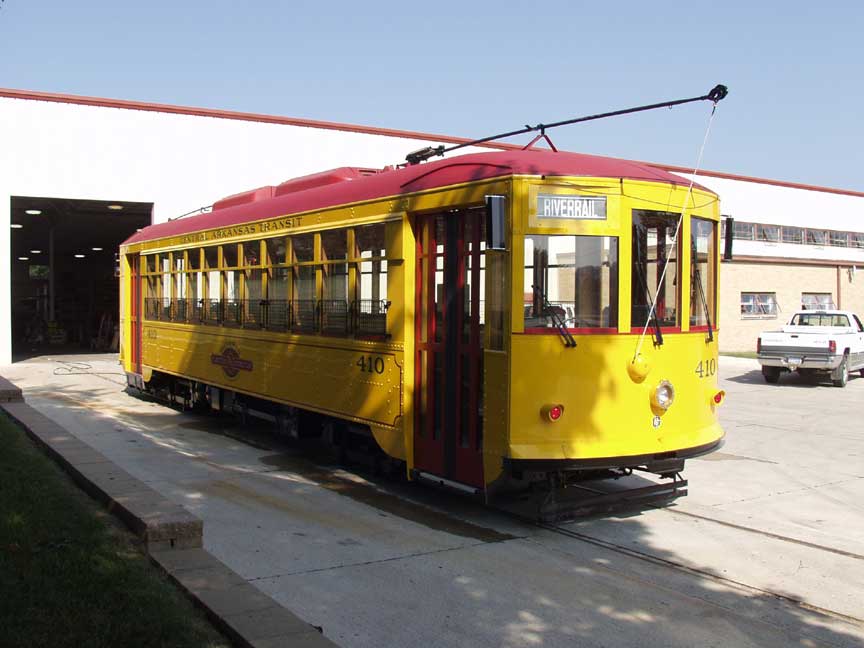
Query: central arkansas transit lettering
pixel 267 227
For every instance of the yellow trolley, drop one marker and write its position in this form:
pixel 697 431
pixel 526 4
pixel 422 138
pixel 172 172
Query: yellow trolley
pixel 491 320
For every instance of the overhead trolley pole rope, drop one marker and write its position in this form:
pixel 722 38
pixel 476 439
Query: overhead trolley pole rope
pixel 674 240
pixel 716 94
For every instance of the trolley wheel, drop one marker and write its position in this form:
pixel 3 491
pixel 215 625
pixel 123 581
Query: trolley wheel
pixel 771 374
pixel 843 371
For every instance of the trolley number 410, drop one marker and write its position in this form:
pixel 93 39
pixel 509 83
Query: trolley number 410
pixel 706 368
pixel 371 364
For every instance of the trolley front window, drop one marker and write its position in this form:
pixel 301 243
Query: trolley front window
pixel 573 277
pixel 654 251
pixel 703 277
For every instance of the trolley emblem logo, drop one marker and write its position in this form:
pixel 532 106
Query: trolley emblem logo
pixel 571 207
pixel 230 361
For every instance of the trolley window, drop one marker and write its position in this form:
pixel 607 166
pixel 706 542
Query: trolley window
pixel 277 285
pixel 332 282
pixel 152 287
pixel 703 278
pixel 372 277
pixel 370 288
pixel 165 310
pixel 303 252
pixel 654 251
pixel 334 255
pixel 252 285
pixel 573 277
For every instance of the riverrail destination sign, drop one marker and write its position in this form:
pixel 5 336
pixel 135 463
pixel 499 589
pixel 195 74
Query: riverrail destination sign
pixel 571 207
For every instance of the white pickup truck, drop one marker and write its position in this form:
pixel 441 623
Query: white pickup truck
pixel 818 340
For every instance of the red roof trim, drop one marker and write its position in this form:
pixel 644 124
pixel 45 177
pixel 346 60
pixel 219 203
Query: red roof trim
pixel 240 116
pixel 764 181
pixel 353 128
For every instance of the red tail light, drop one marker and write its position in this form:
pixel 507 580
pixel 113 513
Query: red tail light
pixel 552 412
pixel 758 345
pixel 719 396
pixel 832 346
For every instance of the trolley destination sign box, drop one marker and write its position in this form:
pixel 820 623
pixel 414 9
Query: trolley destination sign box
pixel 571 207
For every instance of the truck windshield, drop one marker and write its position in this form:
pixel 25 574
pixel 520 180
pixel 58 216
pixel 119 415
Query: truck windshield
pixel 819 319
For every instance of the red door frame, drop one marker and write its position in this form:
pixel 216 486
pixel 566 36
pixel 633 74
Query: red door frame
pixel 448 431
pixel 135 312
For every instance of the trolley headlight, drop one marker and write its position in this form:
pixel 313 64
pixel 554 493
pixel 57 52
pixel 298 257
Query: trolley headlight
pixel 663 396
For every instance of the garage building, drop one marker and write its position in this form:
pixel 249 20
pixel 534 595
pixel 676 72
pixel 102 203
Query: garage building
pixel 78 175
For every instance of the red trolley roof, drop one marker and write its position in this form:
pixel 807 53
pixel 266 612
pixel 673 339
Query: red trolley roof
pixel 346 185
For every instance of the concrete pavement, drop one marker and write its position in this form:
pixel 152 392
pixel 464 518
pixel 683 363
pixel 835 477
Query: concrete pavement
pixel 776 512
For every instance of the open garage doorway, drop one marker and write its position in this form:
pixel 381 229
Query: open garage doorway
pixel 64 272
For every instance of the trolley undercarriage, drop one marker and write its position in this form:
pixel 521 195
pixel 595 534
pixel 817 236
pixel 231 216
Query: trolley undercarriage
pixel 541 491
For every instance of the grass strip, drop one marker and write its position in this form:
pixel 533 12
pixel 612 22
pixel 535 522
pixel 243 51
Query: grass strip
pixel 70 575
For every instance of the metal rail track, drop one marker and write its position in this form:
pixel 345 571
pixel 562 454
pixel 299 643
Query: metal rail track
pixel 700 573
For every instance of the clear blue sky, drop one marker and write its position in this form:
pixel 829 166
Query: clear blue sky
pixel 794 69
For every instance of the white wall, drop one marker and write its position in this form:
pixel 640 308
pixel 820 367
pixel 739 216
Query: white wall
pixel 178 162
pixel 755 202
pixel 183 162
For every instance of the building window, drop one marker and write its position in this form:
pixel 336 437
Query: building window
pixel 759 305
pixel 817 301
pixel 838 239
pixel 793 235
pixel 815 237
pixel 856 239
pixel 743 231
pixel 769 233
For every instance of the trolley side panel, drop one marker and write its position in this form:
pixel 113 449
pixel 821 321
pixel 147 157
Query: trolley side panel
pixel 361 383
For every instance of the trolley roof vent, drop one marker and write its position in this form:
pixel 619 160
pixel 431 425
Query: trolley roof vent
pixel 323 178
pixel 245 197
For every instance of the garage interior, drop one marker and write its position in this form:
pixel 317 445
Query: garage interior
pixel 64 272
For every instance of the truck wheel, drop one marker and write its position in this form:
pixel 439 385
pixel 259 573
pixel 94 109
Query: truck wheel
pixel 771 374
pixel 843 371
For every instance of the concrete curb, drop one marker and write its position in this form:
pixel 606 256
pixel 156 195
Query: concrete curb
pixel 172 536
pixel 9 393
